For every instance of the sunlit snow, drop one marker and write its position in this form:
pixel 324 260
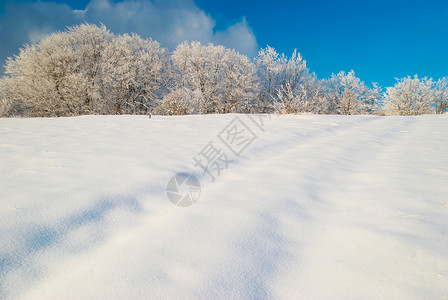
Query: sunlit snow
pixel 348 207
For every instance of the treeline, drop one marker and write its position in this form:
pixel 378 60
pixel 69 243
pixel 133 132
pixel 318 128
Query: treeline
pixel 88 70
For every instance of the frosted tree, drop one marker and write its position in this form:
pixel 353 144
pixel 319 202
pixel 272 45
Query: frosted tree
pixel 346 94
pixel 409 96
pixel 58 75
pixel 284 81
pixel 440 97
pixel 239 84
pixel 5 103
pixel 293 71
pixel 85 70
pixel 200 69
pixel 372 99
pixel 317 95
pixel 268 70
pixel 9 107
pixel 39 74
pixel 288 102
pixel 88 70
pixel 178 102
pixel 89 43
pixel 134 75
pixel 216 79
pixel 308 96
pixel 4 108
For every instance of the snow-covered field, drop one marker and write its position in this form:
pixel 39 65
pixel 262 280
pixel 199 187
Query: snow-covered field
pixel 315 207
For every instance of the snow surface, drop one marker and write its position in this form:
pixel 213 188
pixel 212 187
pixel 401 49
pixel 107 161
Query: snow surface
pixel 345 207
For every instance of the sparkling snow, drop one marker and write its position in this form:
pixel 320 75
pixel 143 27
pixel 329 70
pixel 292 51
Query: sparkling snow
pixel 347 207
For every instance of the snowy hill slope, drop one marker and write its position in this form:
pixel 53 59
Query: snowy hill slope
pixel 313 207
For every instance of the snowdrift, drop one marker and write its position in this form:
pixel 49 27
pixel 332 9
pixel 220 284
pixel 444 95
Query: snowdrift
pixel 288 207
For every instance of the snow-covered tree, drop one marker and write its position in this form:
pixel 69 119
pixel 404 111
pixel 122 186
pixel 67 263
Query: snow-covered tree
pixel 134 75
pixel 178 102
pixel 286 84
pixel 4 108
pixel 372 99
pixel 200 69
pixel 268 69
pixel 8 107
pixel 287 102
pixel 410 96
pixel 58 75
pixel 5 104
pixel 220 80
pixel 316 96
pixel 239 90
pixel 308 97
pixel 440 97
pixel 88 42
pixel 346 94
pixel 38 76
pixel 86 69
pixel 293 71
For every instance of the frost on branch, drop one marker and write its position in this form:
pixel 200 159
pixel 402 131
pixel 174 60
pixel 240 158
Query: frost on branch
pixel 218 80
pixel 410 96
pixel 441 95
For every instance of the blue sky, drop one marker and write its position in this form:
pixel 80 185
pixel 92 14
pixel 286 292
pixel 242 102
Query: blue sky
pixel 379 40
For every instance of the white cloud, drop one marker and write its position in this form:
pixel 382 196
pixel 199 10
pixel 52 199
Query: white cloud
pixel 238 36
pixel 22 23
pixel 169 22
